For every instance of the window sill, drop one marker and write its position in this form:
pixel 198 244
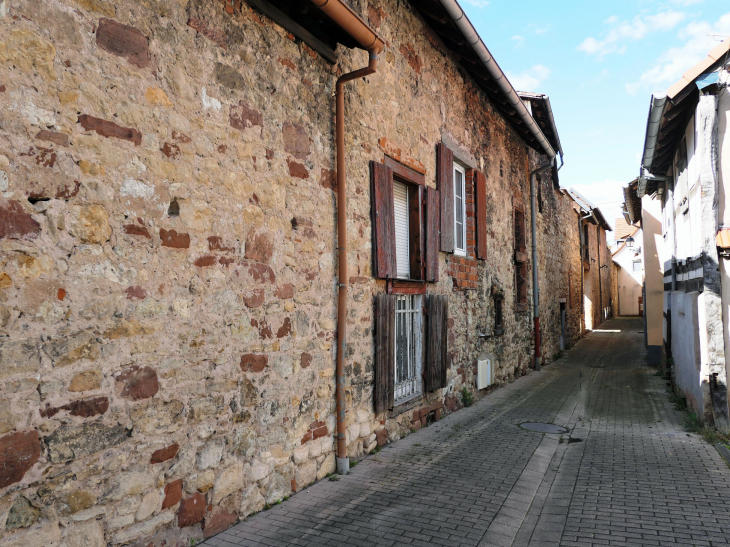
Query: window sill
pixel 405 405
pixel 520 307
pixel 405 286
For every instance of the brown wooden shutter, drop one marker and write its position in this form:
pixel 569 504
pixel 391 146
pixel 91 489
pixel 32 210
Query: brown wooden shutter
pixel 436 337
pixel 432 234
pixel 445 170
pixel 384 391
pixel 381 191
pixel 481 214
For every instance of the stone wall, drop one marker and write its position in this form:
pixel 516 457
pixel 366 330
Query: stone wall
pixel 167 265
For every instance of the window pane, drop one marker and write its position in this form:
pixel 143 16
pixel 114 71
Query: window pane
pixel 407 347
pixel 400 209
pixel 459 209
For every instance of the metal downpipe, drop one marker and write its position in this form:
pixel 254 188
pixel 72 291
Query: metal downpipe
pixel 535 285
pixel 343 462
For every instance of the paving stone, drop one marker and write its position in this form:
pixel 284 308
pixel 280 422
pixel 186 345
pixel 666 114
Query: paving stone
pixel 476 478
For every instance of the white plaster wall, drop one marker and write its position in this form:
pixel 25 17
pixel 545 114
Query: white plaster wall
pixel 723 113
pixel 629 281
pixel 686 348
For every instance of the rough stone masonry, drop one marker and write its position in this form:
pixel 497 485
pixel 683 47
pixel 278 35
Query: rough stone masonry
pixel 167 259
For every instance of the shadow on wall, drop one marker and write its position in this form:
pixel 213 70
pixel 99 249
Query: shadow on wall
pixel 629 292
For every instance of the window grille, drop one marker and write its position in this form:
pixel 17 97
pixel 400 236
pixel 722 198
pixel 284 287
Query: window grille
pixel 408 328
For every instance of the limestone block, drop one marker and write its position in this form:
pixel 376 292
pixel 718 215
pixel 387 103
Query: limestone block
pixel 301 454
pixel 48 535
pixel 259 470
pixel 129 484
pixel 143 529
pixel 252 501
pixel 229 481
pixel 150 504
pixel 306 474
pixel 362 415
pixel 353 432
pixel 69 442
pixel 278 487
pixel 89 223
pixel 370 446
pixel 327 444
pixel 328 466
pixel 120 522
pixel 205 480
pixel 85 534
pixel 364 430
pixel 315 449
pixel 19 357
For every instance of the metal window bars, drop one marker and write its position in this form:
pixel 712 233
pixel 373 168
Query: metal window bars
pixel 407 344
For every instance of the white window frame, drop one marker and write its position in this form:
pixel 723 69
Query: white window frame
pixel 460 169
pixel 409 317
pixel 633 266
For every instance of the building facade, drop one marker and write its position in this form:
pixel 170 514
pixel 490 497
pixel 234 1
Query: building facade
pixel 682 191
pixel 628 256
pixel 169 234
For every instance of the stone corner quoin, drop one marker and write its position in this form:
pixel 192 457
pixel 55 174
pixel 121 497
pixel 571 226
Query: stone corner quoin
pixel 168 256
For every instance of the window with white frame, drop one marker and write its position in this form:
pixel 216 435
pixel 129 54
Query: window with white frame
pixel 637 266
pixel 402 236
pixel 459 210
pixel 408 347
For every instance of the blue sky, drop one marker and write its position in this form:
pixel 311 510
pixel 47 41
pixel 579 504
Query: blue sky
pixel 599 62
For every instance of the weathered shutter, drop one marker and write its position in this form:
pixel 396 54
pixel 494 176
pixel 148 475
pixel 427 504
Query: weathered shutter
pixel 445 170
pixel 481 214
pixel 381 191
pixel 432 234
pixel 384 391
pixel 436 337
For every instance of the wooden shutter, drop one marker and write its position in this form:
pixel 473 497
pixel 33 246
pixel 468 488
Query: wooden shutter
pixel 432 234
pixel 384 391
pixel 381 192
pixel 436 337
pixel 481 214
pixel 445 171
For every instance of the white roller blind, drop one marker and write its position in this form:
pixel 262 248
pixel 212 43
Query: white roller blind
pixel 400 206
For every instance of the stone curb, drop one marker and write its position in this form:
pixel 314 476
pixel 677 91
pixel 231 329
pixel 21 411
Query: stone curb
pixel 724 452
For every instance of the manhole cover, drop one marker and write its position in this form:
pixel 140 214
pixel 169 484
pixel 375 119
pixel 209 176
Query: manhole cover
pixel 543 428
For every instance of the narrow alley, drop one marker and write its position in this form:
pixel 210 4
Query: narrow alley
pixel 624 473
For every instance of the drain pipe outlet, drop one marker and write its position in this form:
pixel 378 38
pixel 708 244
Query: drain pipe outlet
pixel 535 285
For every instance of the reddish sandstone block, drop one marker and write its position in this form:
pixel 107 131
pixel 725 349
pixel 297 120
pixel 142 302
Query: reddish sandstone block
pixel 135 292
pixel 218 521
pixel 255 299
pixel 123 41
pixel 15 223
pixel 18 453
pixel 164 454
pixel 203 261
pixel 305 360
pixel 110 129
pixel 297 170
pixel 173 493
pixel 139 383
pixel 242 116
pixel 296 140
pixel 191 511
pixel 284 291
pixel 137 230
pixel 254 363
pixel 174 240
pixel 216 36
pixel 285 328
pixel 259 247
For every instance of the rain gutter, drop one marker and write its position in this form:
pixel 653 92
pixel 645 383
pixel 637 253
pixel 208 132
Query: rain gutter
pixel 472 37
pixel 656 111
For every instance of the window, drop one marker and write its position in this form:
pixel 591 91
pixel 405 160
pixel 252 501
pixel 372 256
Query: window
pixel 405 224
pixel 410 347
pixel 400 209
pixel 459 210
pixel 520 260
pixel 408 329
pixel 498 314
pixel 637 266
pixel 586 252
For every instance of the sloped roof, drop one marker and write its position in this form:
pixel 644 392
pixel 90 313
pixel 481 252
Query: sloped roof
pixel 623 229
pixel 588 208
pixel 668 117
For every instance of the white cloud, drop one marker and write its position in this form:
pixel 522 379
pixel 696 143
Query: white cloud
pixel 529 80
pixel 674 62
pixel 518 40
pixel 623 32
pixel 686 2
pixel 477 3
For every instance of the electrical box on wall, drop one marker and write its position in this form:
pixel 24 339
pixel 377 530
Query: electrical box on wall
pixel 485 371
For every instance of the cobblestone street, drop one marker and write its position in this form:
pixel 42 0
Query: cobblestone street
pixel 625 474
